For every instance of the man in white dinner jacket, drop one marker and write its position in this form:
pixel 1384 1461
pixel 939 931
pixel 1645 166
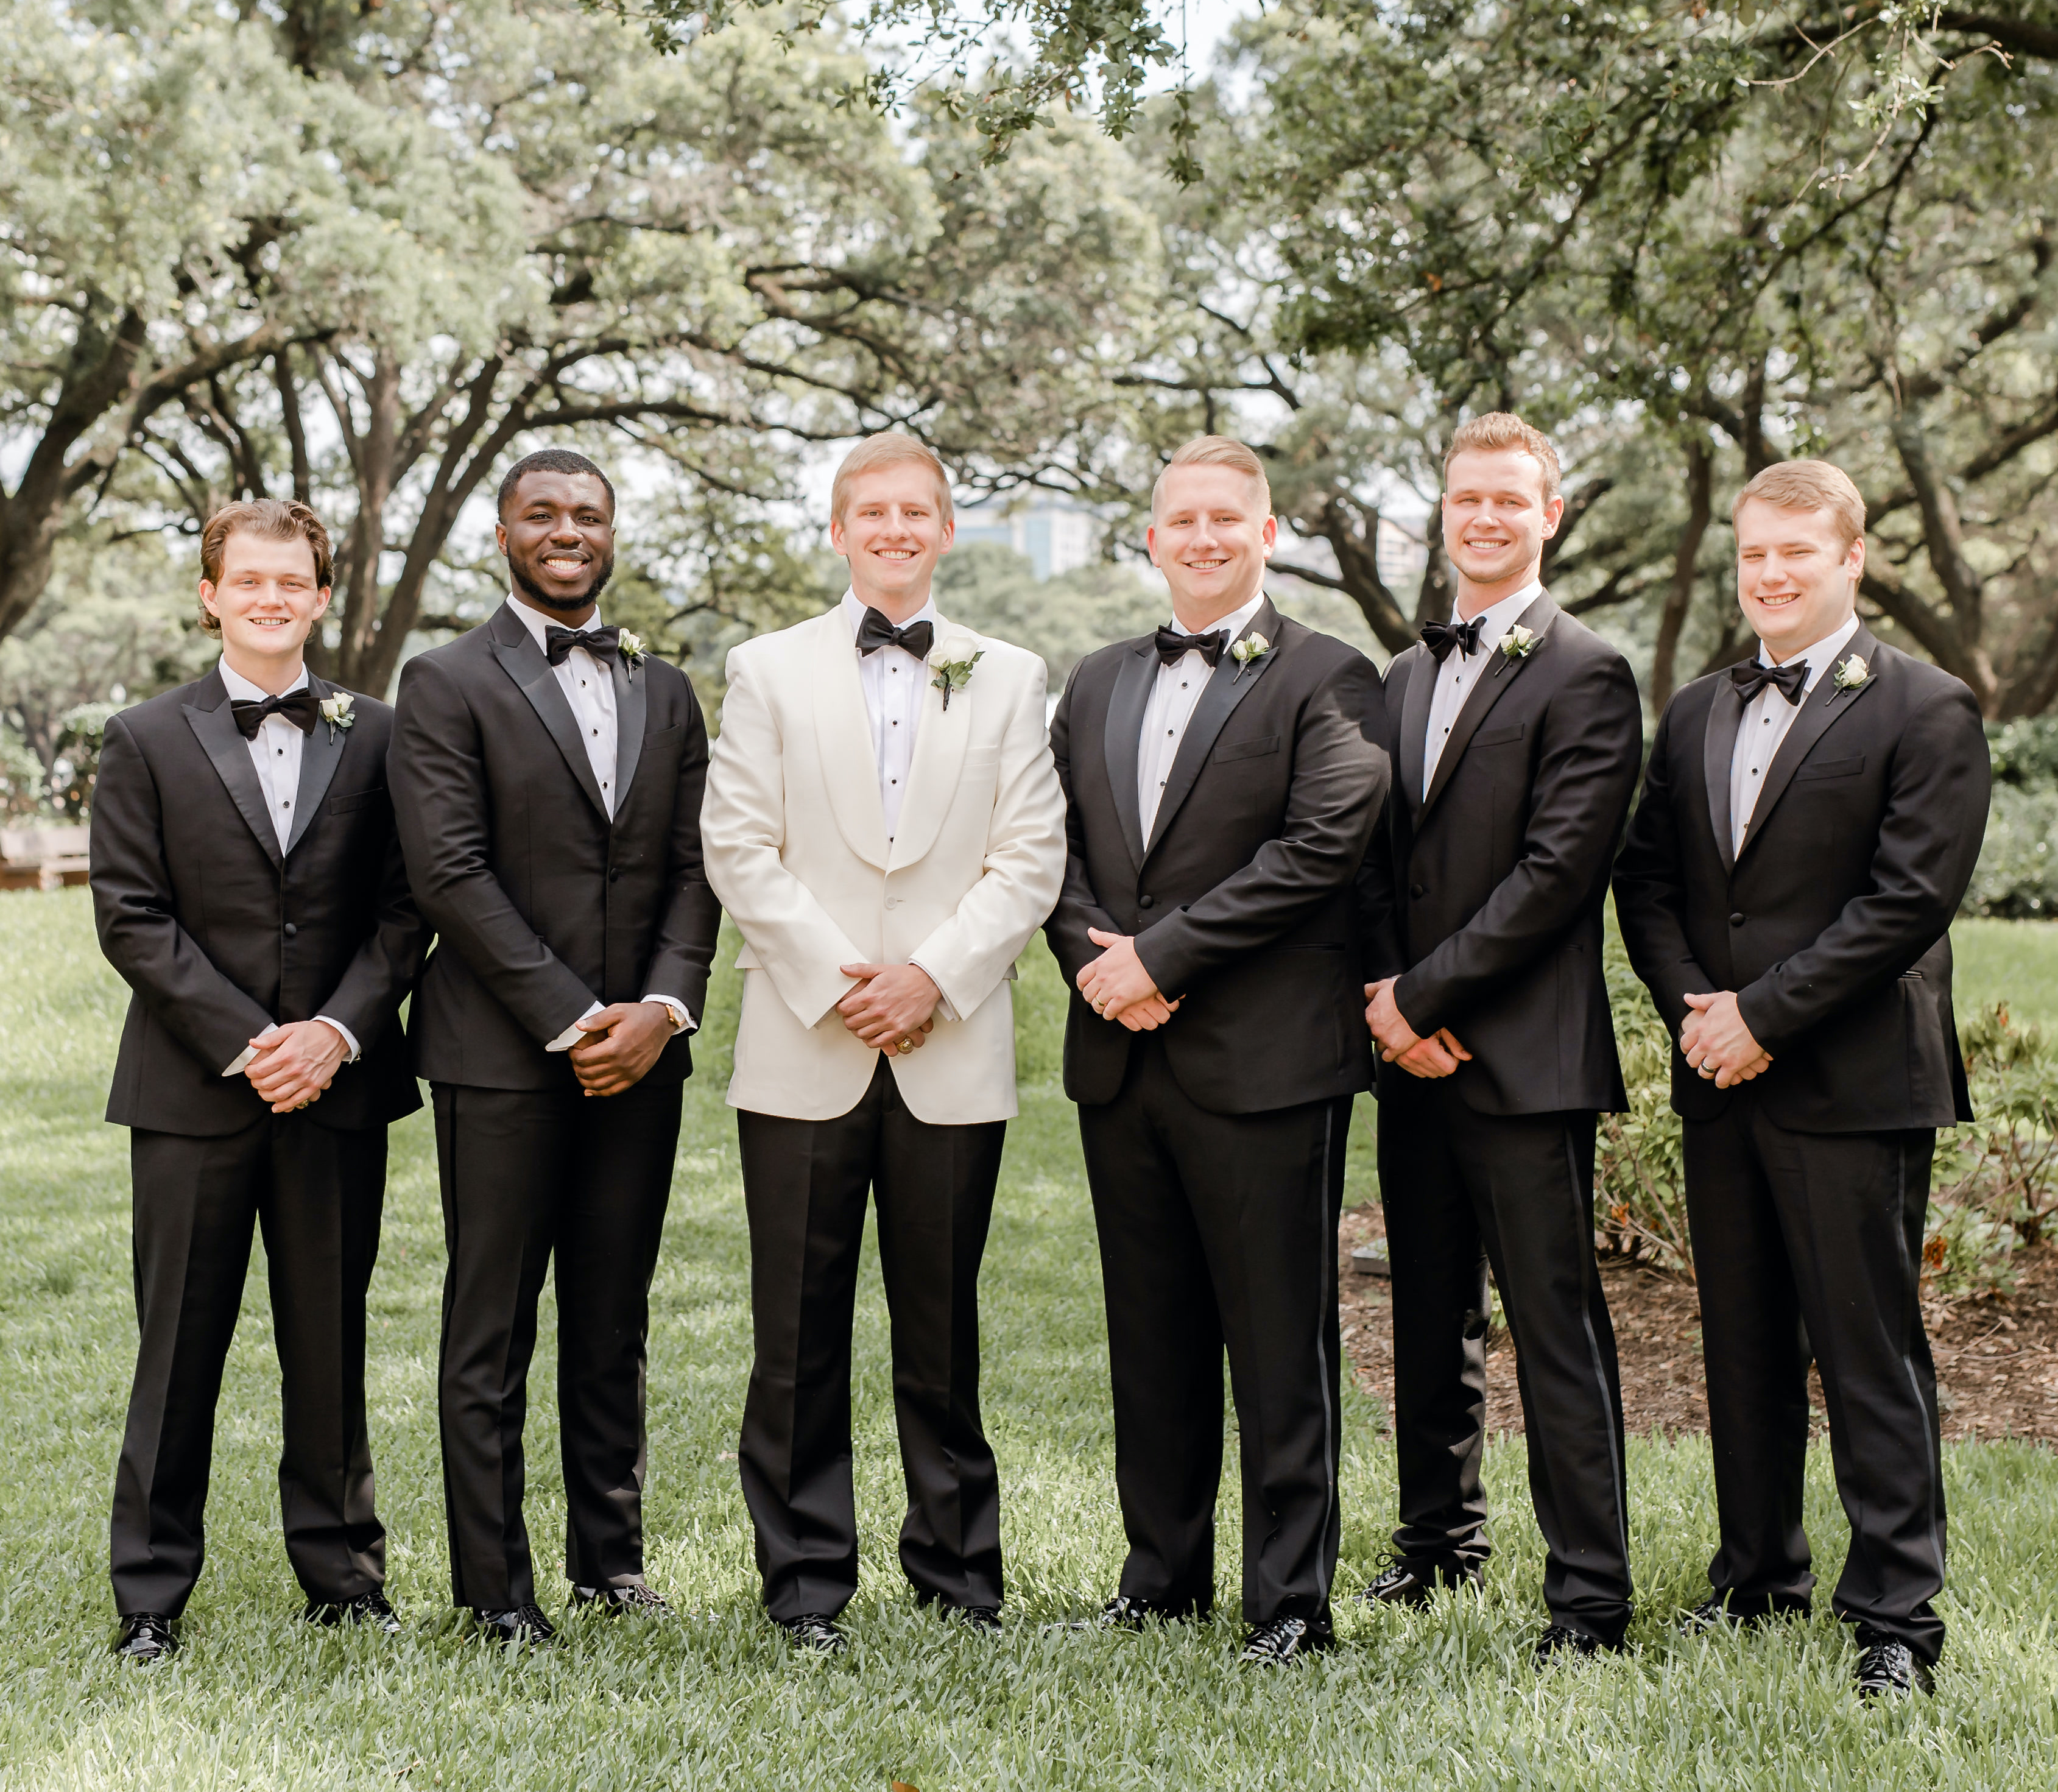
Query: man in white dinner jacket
pixel 884 823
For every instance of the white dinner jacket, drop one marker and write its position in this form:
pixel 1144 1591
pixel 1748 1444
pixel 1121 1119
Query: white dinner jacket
pixel 795 840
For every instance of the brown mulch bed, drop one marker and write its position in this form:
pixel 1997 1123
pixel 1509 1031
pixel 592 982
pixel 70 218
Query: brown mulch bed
pixel 1997 1357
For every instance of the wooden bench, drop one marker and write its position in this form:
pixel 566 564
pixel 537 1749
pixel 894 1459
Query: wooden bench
pixel 42 858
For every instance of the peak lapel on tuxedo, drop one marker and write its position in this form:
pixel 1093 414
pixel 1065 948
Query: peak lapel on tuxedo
pixel 1122 738
pixel 632 699
pixel 940 741
pixel 1494 679
pixel 523 662
pixel 213 723
pixel 1826 706
pixel 320 754
pixel 1229 685
pixel 842 736
pixel 1718 750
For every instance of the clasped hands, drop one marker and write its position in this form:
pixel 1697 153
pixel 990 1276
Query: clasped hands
pixel 1399 1043
pixel 623 1041
pixel 295 1062
pixel 1716 1043
pixel 893 1007
pixel 1119 988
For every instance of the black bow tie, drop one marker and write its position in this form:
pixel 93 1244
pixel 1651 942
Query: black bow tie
pixel 1750 679
pixel 603 644
pixel 1441 638
pixel 302 708
pixel 875 632
pixel 1173 646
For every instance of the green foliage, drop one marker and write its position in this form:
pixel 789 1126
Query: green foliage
pixel 993 589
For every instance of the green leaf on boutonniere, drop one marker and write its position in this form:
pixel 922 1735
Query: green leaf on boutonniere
pixel 953 674
pixel 1851 673
pixel 335 710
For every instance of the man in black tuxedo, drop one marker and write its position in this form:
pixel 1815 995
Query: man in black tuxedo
pixel 1516 736
pixel 1221 778
pixel 248 888
pixel 1809 822
pixel 546 773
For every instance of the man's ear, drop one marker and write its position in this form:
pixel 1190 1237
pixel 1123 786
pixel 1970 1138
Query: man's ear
pixel 321 608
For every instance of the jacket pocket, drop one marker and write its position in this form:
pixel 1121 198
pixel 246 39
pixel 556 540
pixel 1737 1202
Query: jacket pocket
pixel 1245 749
pixel 353 800
pixel 1499 737
pixel 979 759
pixel 1829 768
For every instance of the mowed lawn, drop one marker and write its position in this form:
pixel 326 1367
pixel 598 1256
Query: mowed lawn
pixel 1446 1699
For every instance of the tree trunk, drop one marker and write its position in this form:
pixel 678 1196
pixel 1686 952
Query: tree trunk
pixel 1672 619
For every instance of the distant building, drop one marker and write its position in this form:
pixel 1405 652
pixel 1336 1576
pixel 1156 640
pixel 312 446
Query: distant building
pixel 1054 538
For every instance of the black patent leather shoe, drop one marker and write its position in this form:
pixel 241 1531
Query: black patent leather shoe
pixel 1560 1643
pixel 634 1600
pixel 1888 1669
pixel 982 1619
pixel 813 1630
pixel 368 1609
pixel 146 1636
pixel 1403 1583
pixel 524 1626
pixel 1284 1641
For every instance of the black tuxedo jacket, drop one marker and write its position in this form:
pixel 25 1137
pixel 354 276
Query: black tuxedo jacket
pixel 1831 923
pixel 1486 893
pixel 219 933
pixel 542 906
pixel 1241 903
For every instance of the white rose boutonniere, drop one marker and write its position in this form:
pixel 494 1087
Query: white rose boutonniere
pixel 335 711
pixel 1248 652
pixel 1518 643
pixel 1851 672
pixel 951 664
pixel 631 648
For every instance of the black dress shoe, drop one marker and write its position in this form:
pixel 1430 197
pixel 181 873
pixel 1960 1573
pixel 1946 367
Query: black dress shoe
pixel 1285 1640
pixel 813 1630
pixel 368 1608
pixel 1124 1613
pixel 1888 1669
pixel 1403 1583
pixel 523 1625
pixel 146 1636
pixel 985 1620
pixel 620 1601
pixel 1561 1643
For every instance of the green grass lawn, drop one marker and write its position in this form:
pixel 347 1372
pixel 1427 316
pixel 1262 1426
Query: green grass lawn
pixel 1446 1699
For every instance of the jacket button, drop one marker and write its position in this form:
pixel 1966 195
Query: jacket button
pixel 1146 902
pixel 1416 890
pixel 291 929
pixel 614 874
pixel 1737 919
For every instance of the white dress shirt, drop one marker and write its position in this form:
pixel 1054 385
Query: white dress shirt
pixel 588 684
pixel 1170 707
pixel 1459 674
pixel 893 681
pixel 1766 718
pixel 276 753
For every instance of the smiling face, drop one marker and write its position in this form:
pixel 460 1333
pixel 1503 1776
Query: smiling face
pixel 267 601
pixel 1797 575
pixel 1211 533
pixel 559 535
pixel 1497 520
pixel 892 532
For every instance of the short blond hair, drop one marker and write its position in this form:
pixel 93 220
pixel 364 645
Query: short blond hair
pixel 271 519
pixel 890 447
pixel 1808 484
pixel 1502 429
pixel 1216 450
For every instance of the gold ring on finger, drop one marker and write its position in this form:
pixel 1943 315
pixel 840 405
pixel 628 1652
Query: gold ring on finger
pixel 903 1045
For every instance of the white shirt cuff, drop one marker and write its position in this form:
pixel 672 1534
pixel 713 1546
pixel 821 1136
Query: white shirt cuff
pixel 573 1034
pixel 943 1009
pixel 682 1016
pixel 349 1038
pixel 242 1062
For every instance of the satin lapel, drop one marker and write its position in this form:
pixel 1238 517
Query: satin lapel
pixel 1230 685
pixel 1415 723
pixel 1718 753
pixel 941 738
pixel 1122 737
pixel 842 736
pixel 222 741
pixel 1826 707
pixel 1496 678
pixel 523 662
pixel 319 756
pixel 632 694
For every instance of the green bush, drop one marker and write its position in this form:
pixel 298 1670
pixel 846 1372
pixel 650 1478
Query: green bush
pixel 2017 877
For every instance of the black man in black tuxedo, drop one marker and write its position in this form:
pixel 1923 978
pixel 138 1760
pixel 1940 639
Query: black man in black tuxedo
pixel 546 773
pixel 1515 742
pixel 248 888
pixel 1809 824
pixel 1221 780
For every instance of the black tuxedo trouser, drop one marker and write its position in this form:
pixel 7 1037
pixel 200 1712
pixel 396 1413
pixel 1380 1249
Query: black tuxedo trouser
pixel 1823 1230
pixel 805 1184
pixel 317 1194
pixel 1221 1229
pixel 1462 1190
pixel 527 1174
